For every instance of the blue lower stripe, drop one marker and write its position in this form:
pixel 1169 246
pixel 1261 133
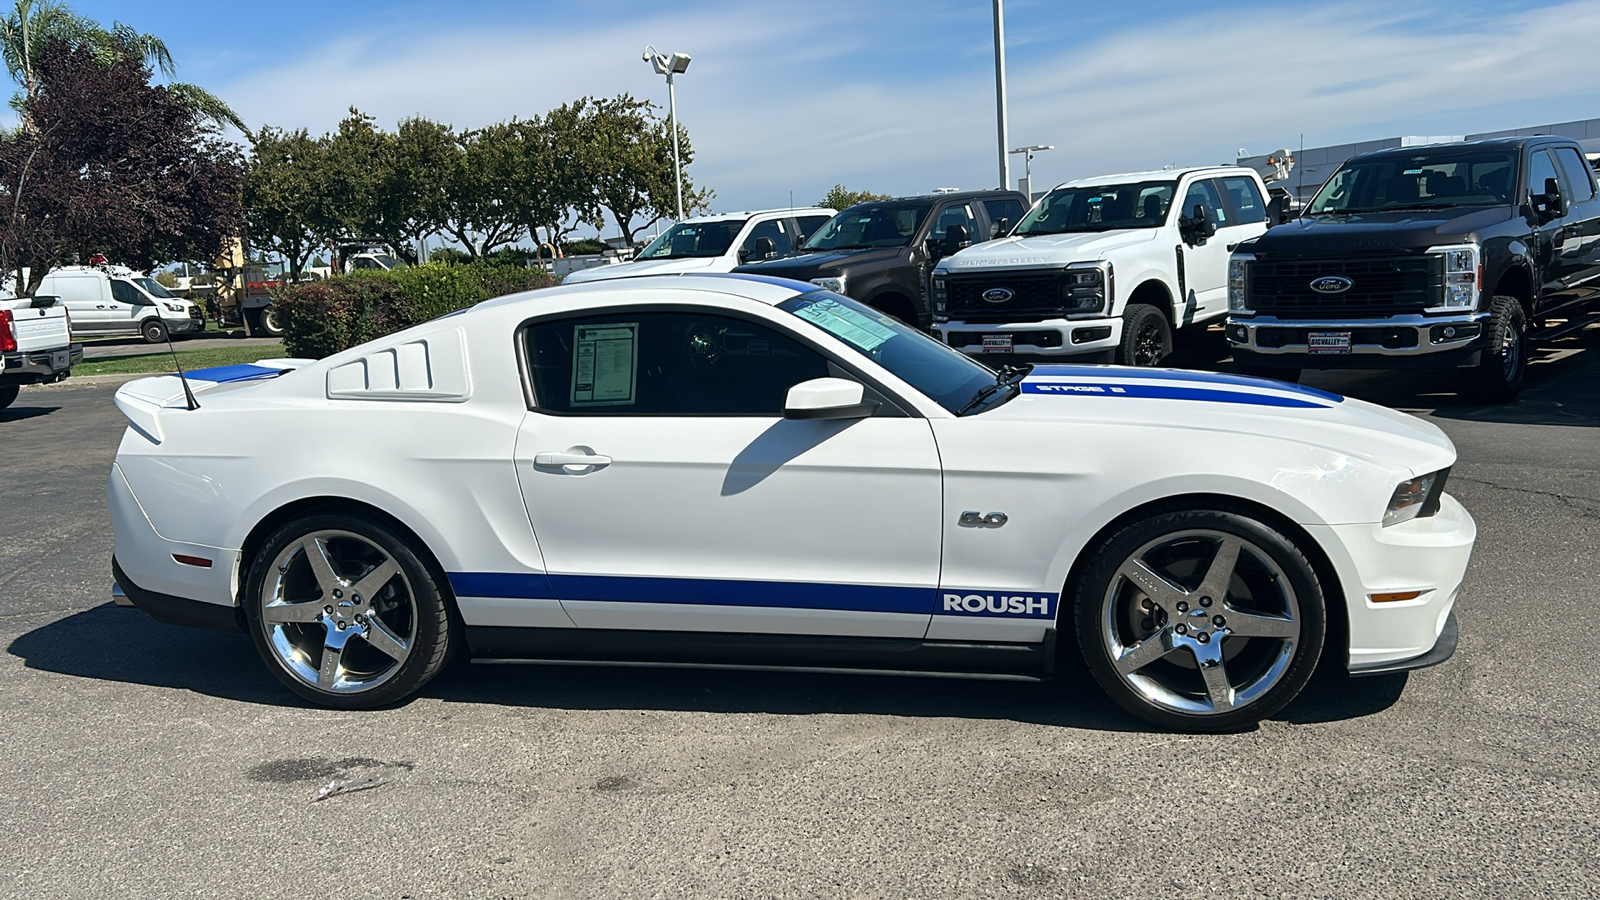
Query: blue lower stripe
pixel 770 594
pixel 497 584
pixel 1164 392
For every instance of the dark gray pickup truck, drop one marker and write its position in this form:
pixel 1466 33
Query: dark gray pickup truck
pixel 1460 256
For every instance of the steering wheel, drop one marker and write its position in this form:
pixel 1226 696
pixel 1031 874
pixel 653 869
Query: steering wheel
pixel 705 346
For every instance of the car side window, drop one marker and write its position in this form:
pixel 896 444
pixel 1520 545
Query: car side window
pixel 123 292
pixel 1204 195
pixel 808 226
pixel 1580 179
pixel 773 231
pixel 667 363
pixel 1007 208
pixel 1540 168
pixel 955 214
pixel 1245 197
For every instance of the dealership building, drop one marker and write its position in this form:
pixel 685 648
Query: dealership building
pixel 1313 165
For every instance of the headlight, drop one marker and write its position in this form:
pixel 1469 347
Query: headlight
pixel 1463 271
pixel 175 307
pixel 835 283
pixel 1238 267
pixel 1085 290
pixel 1416 497
pixel 938 294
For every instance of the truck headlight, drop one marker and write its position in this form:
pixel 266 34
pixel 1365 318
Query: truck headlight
pixel 1086 289
pixel 175 307
pixel 833 283
pixel 1238 272
pixel 1415 497
pixel 1463 275
pixel 938 294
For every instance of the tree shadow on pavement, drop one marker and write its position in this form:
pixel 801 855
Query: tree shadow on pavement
pixel 18 413
pixel 123 645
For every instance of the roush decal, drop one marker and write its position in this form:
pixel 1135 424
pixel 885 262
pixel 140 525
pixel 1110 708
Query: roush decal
pixel 997 603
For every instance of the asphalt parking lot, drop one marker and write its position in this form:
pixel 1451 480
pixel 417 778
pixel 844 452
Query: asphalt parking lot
pixel 144 760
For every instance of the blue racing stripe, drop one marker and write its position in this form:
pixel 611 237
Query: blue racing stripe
pixel 1098 372
pixel 703 591
pixel 533 586
pixel 1165 392
pixel 241 372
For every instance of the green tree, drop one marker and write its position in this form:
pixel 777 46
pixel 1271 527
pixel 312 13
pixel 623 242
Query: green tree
pixel 483 207
pixel 841 197
pixel 280 194
pixel 356 160
pixel 34 23
pixel 631 165
pixel 415 200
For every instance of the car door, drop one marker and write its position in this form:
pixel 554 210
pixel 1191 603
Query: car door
pixel 1580 250
pixel 668 492
pixel 1205 259
pixel 1549 240
pixel 127 308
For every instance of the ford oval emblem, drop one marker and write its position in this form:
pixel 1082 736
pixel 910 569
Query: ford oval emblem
pixel 1332 284
pixel 998 295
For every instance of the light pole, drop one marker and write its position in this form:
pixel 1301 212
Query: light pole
pixel 1027 166
pixel 1000 91
pixel 675 64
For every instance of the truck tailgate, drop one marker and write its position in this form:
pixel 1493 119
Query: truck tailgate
pixel 39 329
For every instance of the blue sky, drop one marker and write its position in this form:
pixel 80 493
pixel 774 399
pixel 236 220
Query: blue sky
pixel 897 96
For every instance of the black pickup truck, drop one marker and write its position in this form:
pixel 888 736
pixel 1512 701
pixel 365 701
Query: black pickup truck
pixel 881 252
pixel 1461 256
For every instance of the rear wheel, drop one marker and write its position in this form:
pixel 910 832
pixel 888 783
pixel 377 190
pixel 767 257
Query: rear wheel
pixel 153 330
pixel 269 323
pixel 344 612
pixel 8 394
pixel 1499 375
pixel 1200 620
pixel 1146 336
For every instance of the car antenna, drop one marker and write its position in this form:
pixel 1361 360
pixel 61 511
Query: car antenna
pixel 187 393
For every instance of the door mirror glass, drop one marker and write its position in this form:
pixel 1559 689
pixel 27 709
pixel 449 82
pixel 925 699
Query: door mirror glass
pixel 1280 210
pixel 1552 204
pixel 760 248
pixel 827 398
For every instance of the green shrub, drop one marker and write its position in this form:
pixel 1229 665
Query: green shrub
pixel 322 318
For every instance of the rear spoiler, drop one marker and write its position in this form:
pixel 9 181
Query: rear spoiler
pixel 145 400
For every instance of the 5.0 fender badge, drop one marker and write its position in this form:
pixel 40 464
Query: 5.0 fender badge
pixel 975 519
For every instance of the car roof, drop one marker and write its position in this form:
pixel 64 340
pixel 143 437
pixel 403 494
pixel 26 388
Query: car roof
pixel 747 214
pixel 1151 175
pixel 760 288
pixel 1501 143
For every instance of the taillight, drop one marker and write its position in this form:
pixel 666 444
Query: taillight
pixel 8 332
pixel 68 313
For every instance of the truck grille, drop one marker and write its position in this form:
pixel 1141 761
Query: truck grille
pixel 1382 287
pixel 1035 295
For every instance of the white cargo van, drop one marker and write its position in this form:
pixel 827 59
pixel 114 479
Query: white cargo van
pixel 118 300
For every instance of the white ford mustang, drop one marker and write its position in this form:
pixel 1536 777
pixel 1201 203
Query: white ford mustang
pixel 751 471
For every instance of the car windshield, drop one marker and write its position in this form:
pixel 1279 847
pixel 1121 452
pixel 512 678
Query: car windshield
pixel 693 240
pixel 1419 181
pixel 1101 207
pixel 154 288
pixel 868 225
pixel 948 377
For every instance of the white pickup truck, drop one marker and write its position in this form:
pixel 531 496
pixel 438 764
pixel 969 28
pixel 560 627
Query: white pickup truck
pixel 35 344
pixel 1103 269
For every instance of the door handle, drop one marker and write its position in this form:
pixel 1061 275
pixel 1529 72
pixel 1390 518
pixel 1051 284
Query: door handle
pixel 554 460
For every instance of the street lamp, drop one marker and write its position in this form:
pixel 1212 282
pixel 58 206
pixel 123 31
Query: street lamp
pixel 1027 166
pixel 675 64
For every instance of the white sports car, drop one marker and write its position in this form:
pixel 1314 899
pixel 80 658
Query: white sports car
pixel 752 471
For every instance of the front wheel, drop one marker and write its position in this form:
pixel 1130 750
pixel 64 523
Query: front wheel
pixel 269 323
pixel 1200 620
pixel 1146 336
pixel 1499 375
pixel 344 612
pixel 154 331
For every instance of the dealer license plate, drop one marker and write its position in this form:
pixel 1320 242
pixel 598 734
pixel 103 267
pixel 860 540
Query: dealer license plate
pixel 1329 342
pixel 60 359
pixel 997 343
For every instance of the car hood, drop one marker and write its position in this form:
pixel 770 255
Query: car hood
pixel 1045 249
pixel 649 267
pixel 1184 401
pixel 1376 231
pixel 823 262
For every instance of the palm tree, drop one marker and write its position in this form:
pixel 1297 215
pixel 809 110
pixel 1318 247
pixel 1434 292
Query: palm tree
pixel 35 22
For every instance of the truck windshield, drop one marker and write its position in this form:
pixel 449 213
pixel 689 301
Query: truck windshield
pixel 1101 207
pixel 869 225
pixel 693 240
pixel 154 288
pixel 1419 181
pixel 948 377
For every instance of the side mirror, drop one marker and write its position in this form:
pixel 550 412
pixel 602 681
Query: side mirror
pixel 1205 227
pixel 1551 204
pixel 827 398
pixel 1001 227
pixel 1280 210
pixel 760 248
pixel 956 237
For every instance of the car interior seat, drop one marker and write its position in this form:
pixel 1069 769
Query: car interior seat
pixel 1152 207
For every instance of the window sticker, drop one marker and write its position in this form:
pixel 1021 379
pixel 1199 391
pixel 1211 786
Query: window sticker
pixel 846 324
pixel 605 364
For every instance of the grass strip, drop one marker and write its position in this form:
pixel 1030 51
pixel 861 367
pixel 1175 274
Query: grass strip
pixel 160 363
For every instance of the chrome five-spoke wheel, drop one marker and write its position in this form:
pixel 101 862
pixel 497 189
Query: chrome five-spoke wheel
pixel 1201 619
pixel 345 613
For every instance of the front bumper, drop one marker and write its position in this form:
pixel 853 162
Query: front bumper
pixel 1426 555
pixel 1050 340
pixel 1400 341
pixel 185 326
pixel 40 366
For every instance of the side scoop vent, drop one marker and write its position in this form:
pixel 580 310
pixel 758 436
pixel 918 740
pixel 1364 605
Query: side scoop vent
pixel 431 369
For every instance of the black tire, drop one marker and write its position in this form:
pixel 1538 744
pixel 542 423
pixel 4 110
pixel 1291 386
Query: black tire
pixel 8 394
pixel 153 330
pixel 268 321
pixel 410 605
pixel 1290 375
pixel 1146 336
pixel 1503 369
pixel 250 320
pixel 1157 649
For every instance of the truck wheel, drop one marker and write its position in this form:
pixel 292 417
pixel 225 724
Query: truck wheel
pixel 269 323
pixel 1146 336
pixel 8 394
pixel 1501 372
pixel 154 331
pixel 1200 619
pixel 250 323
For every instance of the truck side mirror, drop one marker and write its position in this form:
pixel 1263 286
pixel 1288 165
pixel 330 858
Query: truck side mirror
pixel 1203 224
pixel 760 248
pixel 955 237
pixel 1552 204
pixel 1279 210
pixel 1001 226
